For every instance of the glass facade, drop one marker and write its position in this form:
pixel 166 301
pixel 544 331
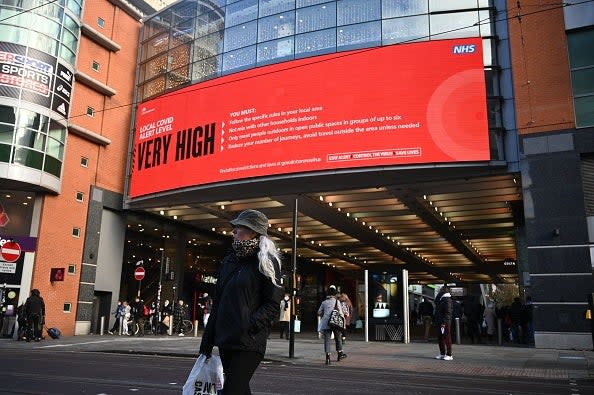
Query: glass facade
pixel 51 27
pixel 194 41
pixel 46 35
pixel 581 62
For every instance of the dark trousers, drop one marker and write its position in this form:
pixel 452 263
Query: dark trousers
pixel 239 367
pixel 284 328
pixel 116 325
pixel 445 340
pixel 35 322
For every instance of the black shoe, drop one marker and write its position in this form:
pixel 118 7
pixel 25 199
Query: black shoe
pixel 340 356
pixel 328 359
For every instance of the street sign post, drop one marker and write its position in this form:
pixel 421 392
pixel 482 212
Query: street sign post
pixel 10 251
pixel 139 275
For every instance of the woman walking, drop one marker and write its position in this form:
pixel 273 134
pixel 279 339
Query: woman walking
pixel 325 311
pixel 246 301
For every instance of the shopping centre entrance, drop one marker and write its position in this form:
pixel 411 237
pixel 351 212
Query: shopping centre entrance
pixel 459 226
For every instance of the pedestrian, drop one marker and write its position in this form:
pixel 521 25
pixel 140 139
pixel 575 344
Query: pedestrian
pixel 490 320
pixel 246 301
pixel 127 312
pixel 474 320
pixel 443 318
pixel 35 312
pixel 117 313
pixel 166 320
pixel 206 308
pixel 325 311
pixel 426 313
pixel 180 313
pixel 347 310
pixel 22 322
pixel 528 321
pixel 285 316
pixel 137 312
pixel 517 320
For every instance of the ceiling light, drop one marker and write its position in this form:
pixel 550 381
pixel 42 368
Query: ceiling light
pixel 161 212
pixel 175 217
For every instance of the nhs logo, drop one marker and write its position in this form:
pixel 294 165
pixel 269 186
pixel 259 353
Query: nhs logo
pixel 462 49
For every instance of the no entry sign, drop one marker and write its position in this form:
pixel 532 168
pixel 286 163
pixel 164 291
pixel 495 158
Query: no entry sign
pixel 139 273
pixel 11 251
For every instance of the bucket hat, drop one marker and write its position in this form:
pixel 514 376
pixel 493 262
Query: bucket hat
pixel 253 219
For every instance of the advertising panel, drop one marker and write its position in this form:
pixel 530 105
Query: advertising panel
pixel 30 75
pixel 393 105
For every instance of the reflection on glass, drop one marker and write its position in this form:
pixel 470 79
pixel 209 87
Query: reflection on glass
pixel 271 7
pixel 404 30
pixel 241 12
pixel 240 36
pixel 239 60
pixel 454 25
pixel 207 69
pixel 316 43
pixel 359 36
pixel 395 8
pixel 316 18
pixel 276 26
pixel 358 11
pixel 275 50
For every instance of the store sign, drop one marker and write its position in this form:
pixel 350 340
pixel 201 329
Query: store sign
pixel 393 105
pixel 35 76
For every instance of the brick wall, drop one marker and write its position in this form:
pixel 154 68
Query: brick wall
pixel 540 65
pixel 106 168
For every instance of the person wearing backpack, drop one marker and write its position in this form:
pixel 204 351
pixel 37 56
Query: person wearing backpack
pixel 325 311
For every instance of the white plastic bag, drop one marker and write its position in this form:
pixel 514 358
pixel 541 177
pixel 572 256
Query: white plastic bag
pixel 206 376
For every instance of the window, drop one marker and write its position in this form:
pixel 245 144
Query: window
pixel 75 232
pixel 80 197
pixel 581 63
pixel 90 112
pixel 95 65
pixel 84 162
pixel 67 307
pixel 100 23
pixel 71 269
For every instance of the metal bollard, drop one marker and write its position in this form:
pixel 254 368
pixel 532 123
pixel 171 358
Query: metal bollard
pixel 458 341
pixel 499 332
pixel 102 325
pixel 195 328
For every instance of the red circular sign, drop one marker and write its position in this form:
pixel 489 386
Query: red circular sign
pixel 139 273
pixel 10 251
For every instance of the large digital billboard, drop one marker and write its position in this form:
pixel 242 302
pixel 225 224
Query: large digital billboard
pixel 393 105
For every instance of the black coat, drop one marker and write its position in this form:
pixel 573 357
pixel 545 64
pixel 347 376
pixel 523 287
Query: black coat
pixel 443 309
pixel 34 306
pixel 244 305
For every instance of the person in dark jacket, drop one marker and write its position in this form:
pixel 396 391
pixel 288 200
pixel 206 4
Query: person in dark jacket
pixel 443 320
pixel 35 311
pixel 246 301
pixel 180 313
pixel 137 308
pixel 426 313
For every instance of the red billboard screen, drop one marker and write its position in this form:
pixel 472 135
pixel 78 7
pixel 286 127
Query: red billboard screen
pixel 393 105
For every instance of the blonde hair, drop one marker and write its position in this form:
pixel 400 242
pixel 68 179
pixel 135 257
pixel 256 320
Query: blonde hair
pixel 266 265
